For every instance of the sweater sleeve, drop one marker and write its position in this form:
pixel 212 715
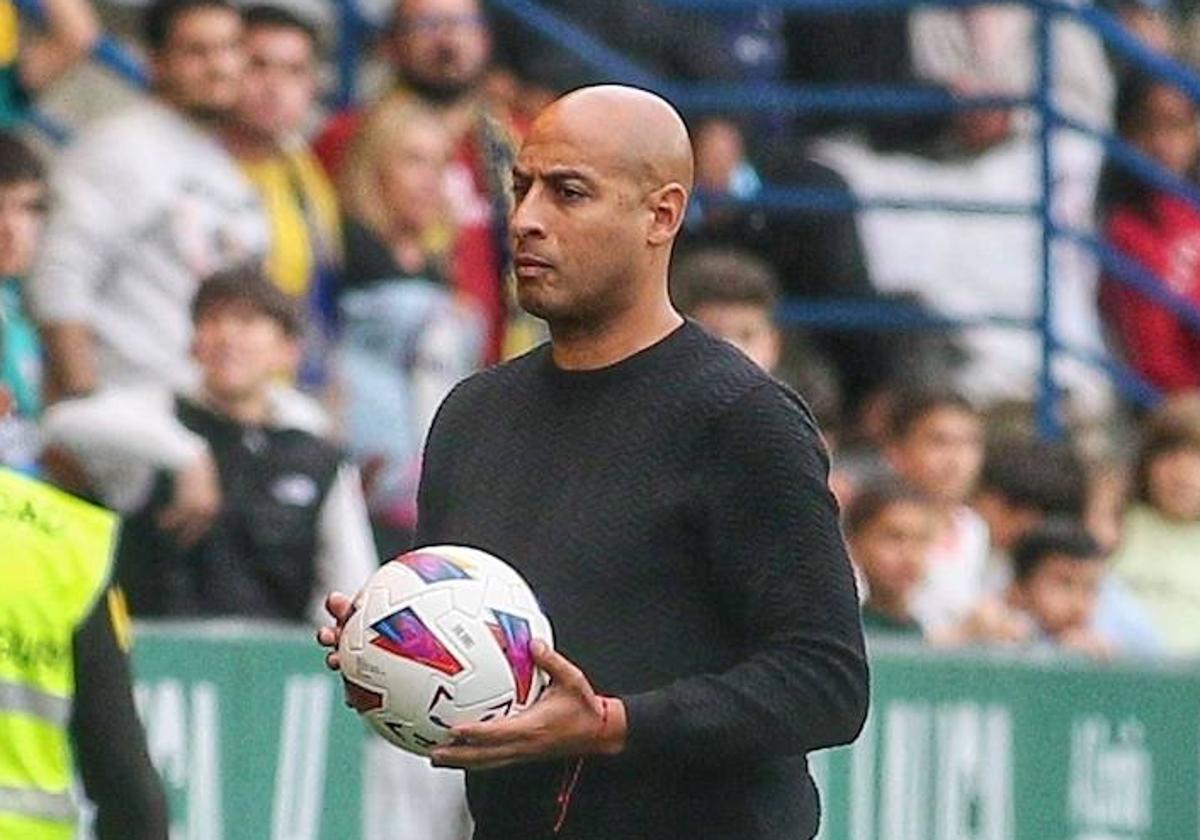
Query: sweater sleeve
pixel 1154 339
pixel 778 566
pixel 346 551
pixel 110 745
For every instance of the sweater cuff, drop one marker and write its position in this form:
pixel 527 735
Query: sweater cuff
pixel 648 719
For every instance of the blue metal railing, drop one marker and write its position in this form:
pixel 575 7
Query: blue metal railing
pixel 610 63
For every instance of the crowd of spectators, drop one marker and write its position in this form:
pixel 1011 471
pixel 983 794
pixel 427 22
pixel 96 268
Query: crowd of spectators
pixel 230 314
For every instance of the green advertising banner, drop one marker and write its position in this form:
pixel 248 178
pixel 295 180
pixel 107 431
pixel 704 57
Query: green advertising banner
pixel 253 742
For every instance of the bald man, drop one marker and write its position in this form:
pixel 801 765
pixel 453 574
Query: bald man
pixel 666 500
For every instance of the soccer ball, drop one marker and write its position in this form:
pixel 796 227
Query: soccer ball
pixel 441 636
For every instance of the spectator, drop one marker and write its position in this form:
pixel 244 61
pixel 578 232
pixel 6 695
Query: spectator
pixel 1161 530
pixel 890 528
pixel 1057 574
pixel 1156 229
pixel 233 509
pixel 733 296
pixel 277 102
pixel 28 68
pixel 936 445
pixel 146 203
pixel 406 337
pixel 1027 482
pixel 813 255
pixel 440 51
pixel 22 209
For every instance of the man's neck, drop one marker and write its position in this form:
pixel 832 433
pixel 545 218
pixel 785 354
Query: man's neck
pixel 577 348
pixel 247 145
pixel 245 410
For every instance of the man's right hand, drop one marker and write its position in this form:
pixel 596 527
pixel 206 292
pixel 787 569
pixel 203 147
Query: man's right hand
pixel 196 501
pixel 339 607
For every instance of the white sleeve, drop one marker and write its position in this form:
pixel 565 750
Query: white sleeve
pixel 94 207
pixel 121 438
pixel 346 554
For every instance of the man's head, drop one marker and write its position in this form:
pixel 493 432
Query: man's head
pixel 1024 480
pixel 890 527
pixel 733 295
pixel 22 205
pixel 196 55
pixel 1057 571
pixel 600 187
pixel 279 87
pixel 1168 469
pixel 440 48
pixel 936 443
pixel 246 333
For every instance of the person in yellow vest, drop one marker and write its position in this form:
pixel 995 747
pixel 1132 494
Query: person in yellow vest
pixel 29 66
pixel 64 680
pixel 279 90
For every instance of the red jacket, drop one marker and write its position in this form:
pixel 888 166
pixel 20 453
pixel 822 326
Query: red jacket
pixel 1166 241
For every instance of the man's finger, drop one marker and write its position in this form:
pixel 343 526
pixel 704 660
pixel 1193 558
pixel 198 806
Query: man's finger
pixel 474 757
pixel 339 606
pixel 327 637
pixel 561 670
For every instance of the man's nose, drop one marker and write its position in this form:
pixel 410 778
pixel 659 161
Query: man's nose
pixel 526 220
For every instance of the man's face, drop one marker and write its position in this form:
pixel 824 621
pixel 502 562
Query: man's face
pixel 241 351
pixel 441 47
pixel 280 82
pixel 412 175
pixel 891 550
pixel 22 212
pixel 941 453
pixel 578 220
pixel 1061 593
pixel 200 66
pixel 1007 522
pixel 747 326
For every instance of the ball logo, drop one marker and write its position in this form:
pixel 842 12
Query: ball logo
pixel 405 635
pixel 433 568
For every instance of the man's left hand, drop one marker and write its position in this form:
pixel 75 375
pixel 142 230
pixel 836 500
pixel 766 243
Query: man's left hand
pixel 570 719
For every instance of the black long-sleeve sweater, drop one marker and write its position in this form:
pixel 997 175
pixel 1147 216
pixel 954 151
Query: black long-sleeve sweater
pixel 671 512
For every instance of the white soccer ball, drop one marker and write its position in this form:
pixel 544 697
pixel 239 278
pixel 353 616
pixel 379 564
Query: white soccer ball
pixel 441 636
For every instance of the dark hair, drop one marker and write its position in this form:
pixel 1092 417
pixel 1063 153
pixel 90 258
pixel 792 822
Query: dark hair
pixel 1031 473
pixel 873 499
pixel 1063 536
pixel 909 406
pixel 270 16
pixel 247 284
pixel 19 164
pixel 722 275
pixel 160 17
pixel 1118 186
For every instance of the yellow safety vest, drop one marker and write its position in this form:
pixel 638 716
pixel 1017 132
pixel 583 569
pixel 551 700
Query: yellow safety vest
pixel 55 560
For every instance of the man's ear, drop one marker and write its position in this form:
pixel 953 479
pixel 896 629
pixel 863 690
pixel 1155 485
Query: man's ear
pixel 289 357
pixel 668 204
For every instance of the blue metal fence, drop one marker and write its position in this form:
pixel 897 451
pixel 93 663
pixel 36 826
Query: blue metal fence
pixel 611 64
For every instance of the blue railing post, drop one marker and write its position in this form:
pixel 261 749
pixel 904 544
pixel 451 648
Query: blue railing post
pixel 1049 422
pixel 351 29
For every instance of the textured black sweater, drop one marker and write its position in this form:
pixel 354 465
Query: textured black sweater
pixel 671 513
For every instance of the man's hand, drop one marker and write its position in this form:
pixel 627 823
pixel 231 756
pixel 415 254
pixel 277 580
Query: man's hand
pixel 339 607
pixel 570 719
pixel 196 502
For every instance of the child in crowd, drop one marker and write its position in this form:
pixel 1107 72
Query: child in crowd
pixel 22 211
pixel 234 506
pixel 1057 573
pixel 936 445
pixel 731 294
pixel 1156 229
pixel 890 528
pixel 1159 555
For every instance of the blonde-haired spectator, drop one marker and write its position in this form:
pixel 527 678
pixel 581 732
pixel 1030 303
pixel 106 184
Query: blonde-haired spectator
pixel 407 337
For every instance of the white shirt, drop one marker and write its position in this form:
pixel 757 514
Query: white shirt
pixel 146 204
pixel 955 574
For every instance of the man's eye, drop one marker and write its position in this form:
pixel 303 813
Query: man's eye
pixel 567 191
